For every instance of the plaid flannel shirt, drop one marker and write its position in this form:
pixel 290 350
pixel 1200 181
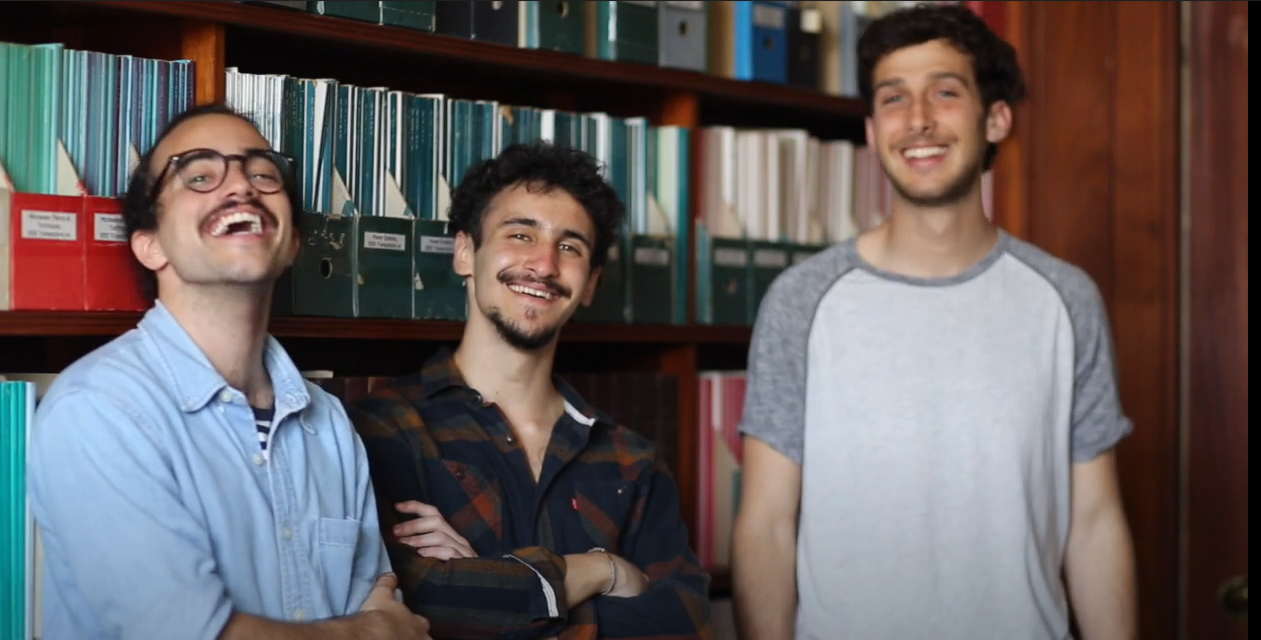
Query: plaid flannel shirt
pixel 429 437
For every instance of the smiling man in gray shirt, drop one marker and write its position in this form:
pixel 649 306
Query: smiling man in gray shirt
pixel 932 407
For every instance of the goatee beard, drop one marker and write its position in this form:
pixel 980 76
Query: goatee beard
pixel 519 339
pixel 953 193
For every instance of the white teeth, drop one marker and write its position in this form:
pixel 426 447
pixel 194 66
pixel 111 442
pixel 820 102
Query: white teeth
pixel 225 222
pixel 924 152
pixel 531 292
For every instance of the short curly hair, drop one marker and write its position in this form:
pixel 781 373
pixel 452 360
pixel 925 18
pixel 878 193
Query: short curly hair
pixel 541 166
pixel 994 61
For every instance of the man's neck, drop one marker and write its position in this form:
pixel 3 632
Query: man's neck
pixel 519 381
pixel 230 327
pixel 930 242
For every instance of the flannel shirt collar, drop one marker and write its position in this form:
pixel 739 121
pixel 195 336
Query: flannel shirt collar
pixel 440 374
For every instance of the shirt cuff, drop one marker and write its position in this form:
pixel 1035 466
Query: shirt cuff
pixel 543 603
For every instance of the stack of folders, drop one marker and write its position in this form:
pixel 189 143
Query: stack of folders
pixel 19 544
pixel 807 44
pixel 772 198
pixel 377 167
pixel 72 126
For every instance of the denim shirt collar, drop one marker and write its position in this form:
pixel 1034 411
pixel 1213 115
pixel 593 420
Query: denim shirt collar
pixel 195 382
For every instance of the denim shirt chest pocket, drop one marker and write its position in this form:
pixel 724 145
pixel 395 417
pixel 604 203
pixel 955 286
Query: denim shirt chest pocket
pixel 470 498
pixel 603 509
pixel 336 541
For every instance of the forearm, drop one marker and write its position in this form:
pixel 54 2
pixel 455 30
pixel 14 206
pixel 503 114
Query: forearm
pixel 676 607
pixel 764 579
pixel 586 576
pixel 363 626
pixel 1101 578
pixel 521 595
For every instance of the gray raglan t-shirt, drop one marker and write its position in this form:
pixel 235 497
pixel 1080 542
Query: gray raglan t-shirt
pixel 936 422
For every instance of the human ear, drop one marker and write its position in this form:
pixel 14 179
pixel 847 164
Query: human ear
pixel 148 250
pixel 462 261
pixel 998 122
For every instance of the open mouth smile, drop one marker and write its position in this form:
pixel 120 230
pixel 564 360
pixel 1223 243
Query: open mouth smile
pixel 534 292
pixel 237 223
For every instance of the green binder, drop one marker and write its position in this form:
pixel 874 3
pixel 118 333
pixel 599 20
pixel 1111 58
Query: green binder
pixel 770 259
pixel 730 279
pixel 410 14
pixel 439 292
pixel 652 275
pixel 555 26
pixel 625 31
pixel 323 275
pixel 354 9
pixel 609 302
pixel 384 252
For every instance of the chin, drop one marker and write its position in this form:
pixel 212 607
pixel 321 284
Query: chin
pixel 521 335
pixel 935 195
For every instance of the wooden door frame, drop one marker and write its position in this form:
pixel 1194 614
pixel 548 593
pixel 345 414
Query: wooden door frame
pixel 1215 261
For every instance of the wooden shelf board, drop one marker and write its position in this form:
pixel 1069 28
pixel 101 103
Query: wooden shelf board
pixel 328 29
pixel 51 324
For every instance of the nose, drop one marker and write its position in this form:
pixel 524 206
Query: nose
pixel 921 120
pixel 236 182
pixel 543 261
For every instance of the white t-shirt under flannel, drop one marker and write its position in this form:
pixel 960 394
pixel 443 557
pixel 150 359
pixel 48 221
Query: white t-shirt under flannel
pixel 936 422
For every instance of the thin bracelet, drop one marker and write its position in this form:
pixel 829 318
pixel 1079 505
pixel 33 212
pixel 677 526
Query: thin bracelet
pixel 612 570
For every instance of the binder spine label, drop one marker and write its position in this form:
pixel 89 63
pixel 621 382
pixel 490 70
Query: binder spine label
pixel 437 244
pixel 387 241
pixel 770 258
pixel 108 227
pixel 768 16
pixel 725 257
pixel 652 256
pixel 49 225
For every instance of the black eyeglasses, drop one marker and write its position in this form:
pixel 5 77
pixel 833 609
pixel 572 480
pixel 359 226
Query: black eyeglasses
pixel 203 170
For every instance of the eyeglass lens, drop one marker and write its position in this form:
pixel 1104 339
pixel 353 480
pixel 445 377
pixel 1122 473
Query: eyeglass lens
pixel 205 170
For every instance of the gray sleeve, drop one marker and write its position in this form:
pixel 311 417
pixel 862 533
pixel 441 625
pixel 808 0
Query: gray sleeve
pixel 775 391
pixel 1099 422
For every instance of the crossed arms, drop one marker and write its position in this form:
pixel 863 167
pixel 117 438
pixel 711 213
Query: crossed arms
pixel 533 592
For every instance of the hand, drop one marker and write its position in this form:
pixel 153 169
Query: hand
pixel 386 617
pixel 630 580
pixel 430 534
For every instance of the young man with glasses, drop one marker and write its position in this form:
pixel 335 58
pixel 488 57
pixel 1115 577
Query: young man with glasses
pixel 187 482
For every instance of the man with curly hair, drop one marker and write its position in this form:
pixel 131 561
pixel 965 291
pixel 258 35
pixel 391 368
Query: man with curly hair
pixel 510 507
pixel 932 407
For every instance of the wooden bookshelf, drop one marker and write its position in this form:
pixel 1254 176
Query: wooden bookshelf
pixel 259 39
pixel 51 324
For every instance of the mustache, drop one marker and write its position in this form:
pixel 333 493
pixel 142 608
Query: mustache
pixel 235 203
pixel 550 284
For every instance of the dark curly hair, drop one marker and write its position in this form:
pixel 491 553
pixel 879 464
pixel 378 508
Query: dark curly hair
pixel 541 166
pixel 140 210
pixel 994 61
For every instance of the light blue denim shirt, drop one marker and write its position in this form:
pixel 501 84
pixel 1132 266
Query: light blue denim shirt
pixel 159 513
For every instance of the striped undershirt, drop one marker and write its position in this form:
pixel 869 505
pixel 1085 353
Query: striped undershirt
pixel 262 421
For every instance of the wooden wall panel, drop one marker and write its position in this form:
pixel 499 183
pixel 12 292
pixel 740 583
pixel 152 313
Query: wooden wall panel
pixel 1217 431
pixel 1011 170
pixel 1144 302
pixel 1101 178
pixel 1070 115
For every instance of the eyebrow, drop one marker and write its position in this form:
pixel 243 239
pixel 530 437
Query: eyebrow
pixel 940 75
pixel 531 222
